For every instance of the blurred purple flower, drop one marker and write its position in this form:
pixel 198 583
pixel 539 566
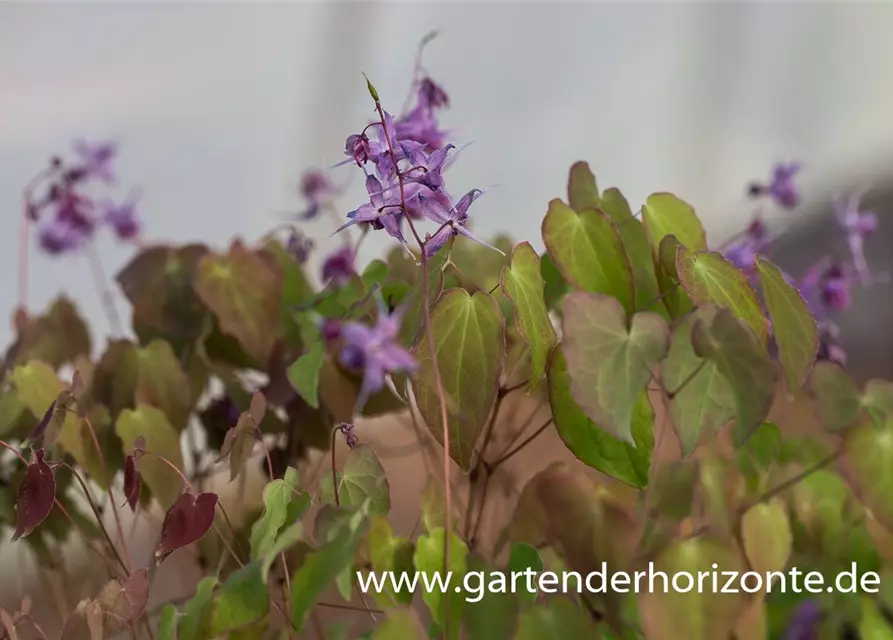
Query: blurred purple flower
pixel 743 250
pixel 858 225
pixel 59 237
pixel 420 125
pixel 432 95
pixel 97 159
pixel 804 623
pixel 317 189
pixel 299 246
pixel 376 350
pixel 826 288
pixel 123 220
pixel 338 267
pixel 781 188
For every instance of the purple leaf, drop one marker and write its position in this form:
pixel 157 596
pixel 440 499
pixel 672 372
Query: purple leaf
pixel 186 522
pixel 133 485
pixel 36 496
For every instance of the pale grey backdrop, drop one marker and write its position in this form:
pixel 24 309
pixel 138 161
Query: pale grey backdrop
pixel 218 107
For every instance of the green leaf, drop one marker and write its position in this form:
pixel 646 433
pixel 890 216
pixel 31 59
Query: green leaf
pixel 243 599
pixel 492 609
pixel 375 273
pixel 296 289
pixel 245 293
pixel 57 337
pixel 522 283
pixel 521 558
pixel 287 538
pixel 161 439
pixel 589 442
pixel 766 536
pixel 429 559
pixel 674 297
pixel 664 214
pixel 555 285
pixel 835 397
pixel 868 467
pixel 167 624
pixel 162 383
pixel 321 568
pixel 697 614
pixel 635 242
pixel 703 400
pixel 363 478
pixel 197 610
pixel 709 279
pixel 390 554
pixel 732 347
pixel 609 360
pixel 559 618
pixel 587 249
pixel 874 625
pixel 434 505
pixel 38 386
pixel 278 496
pixel 582 191
pixel 469 339
pixel 303 374
pixel 414 301
pixel 400 624
pixel 793 326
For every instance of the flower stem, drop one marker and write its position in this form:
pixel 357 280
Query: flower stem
pixel 335 431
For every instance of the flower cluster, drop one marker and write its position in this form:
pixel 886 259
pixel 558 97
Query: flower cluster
pixel 66 212
pixel 826 286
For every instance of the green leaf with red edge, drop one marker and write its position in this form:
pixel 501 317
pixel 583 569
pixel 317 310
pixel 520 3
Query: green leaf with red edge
pixel 158 284
pixel 709 279
pixel 793 326
pixel 582 190
pixel 522 283
pixel 674 297
pixel 587 248
pixel 703 400
pixel 587 523
pixel 57 337
pixel 244 291
pixel 589 442
pixel 835 397
pixel 610 358
pixel 162 383
pixel 38 386
pixel 664 214
pixel 469 340
pixel 698 614
pixel 161 439
pixel 635 242
pixel 731 345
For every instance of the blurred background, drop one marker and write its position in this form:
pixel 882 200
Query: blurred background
pixel 218 108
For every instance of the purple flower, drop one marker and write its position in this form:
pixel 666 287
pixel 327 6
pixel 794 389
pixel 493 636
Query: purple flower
pixel 742 251
pixel 358 148
pixel 338 268
pixel 299 247
pixel 858 225
pixel 316 185
pixel 426 169
pixel 453 220
pixel 362 149
pixel 781 188
pixel 804 624
pixel 376 350
pixel 420 125
pixel 123 220
pixel 331 330
pixel 97 159
pixel 826 288
pixel 384 209
pixel 432 95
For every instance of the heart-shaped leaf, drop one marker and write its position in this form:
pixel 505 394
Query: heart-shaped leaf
pixel 238 444
pixel 709 279
pixel 160 438
pixel 243 599
pixel 124 601
pixel 522 283
pixel 766 536
pixel 162 383
pixel 589 442
pixel 469 339
pixel 582 190
pixel 278 497
pixel 35 497
pixel 835 397
pixel 609 359
pixel 732 346
pixel 587 249
pixel 664 214
pixel 362 478
pixel 133 486
pixel 793 326
pixel 868 467
pixel 187 521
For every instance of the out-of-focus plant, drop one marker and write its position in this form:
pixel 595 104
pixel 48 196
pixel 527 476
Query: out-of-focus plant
pixel 627 316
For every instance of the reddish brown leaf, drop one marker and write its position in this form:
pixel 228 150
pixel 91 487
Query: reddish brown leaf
pixel 9 625
pixel 36 495
pixel 186 522
pixel 124 602
pixel 258 407
pixel 133 486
